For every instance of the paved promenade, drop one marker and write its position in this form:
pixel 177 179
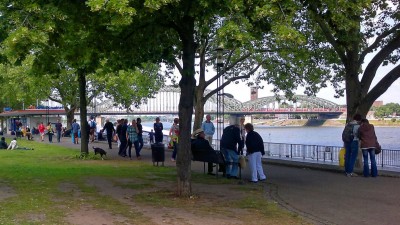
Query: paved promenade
pixel 320 193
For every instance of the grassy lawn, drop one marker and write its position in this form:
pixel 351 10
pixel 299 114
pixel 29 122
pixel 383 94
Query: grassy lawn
pixel 51 185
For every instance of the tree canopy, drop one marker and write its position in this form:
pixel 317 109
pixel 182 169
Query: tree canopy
pixel 346 33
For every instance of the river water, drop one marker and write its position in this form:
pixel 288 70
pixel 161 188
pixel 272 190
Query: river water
pixel 388 137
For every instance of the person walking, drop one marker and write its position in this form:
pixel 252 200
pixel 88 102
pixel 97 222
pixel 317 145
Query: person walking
pixel 110 130
pixel 352 147
pixel 75 130
pixel 41 129
pixel 58 130
pixel 174 135
pixel 122 138
pixel 368 143
pixel 209 130
pixel 132 132
pixel 140 133
pixel 50 132
pixel 255 151
pixel 158 128
pixel 229 141
pixel 92 128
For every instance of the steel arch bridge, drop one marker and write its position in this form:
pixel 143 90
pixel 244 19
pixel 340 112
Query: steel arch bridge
pixel 166 101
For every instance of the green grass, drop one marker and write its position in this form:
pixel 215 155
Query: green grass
pixel 32 181
pixel 33 178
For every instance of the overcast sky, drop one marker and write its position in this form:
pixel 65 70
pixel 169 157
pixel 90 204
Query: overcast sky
pixel 242 91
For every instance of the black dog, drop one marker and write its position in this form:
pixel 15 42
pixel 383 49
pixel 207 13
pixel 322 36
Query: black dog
pixel 99 151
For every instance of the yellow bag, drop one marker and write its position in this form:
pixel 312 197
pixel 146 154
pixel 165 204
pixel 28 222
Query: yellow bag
pixel 342 152
pixel 242 161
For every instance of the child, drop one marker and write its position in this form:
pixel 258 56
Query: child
pixel 151 136
pixel 13 145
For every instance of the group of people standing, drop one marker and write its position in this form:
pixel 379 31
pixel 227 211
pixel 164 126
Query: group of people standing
pixel 233 140
pixel 50 131
pixel 126 135
pixel 364 138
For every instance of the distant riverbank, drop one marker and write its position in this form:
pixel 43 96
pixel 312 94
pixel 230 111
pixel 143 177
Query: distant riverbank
pixel 317 122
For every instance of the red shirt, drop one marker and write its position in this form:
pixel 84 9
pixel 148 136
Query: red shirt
pixel 41 128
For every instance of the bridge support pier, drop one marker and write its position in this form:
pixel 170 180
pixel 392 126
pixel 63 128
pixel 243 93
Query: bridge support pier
pixel 235 119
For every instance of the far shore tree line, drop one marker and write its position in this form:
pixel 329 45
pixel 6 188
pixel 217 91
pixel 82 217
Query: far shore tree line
pixel 73 51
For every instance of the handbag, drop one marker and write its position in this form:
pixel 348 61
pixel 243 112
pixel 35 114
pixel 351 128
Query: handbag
pixel 378 148
pixel 242 161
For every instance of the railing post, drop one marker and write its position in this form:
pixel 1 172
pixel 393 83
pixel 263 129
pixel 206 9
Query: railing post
pixel 291 151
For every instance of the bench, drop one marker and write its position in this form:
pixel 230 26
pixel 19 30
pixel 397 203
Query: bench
pixel 206 156
pixel 216 157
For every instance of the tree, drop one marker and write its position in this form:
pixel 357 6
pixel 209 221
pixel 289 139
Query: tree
pixel 387 110
pixel 169 31
pixel 68 58
pixel 348 32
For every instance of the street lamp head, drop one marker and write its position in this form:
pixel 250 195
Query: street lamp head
pixel 220 51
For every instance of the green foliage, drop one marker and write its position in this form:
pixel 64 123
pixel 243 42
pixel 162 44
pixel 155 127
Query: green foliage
pixel 387 110
pixel 345 34
pixel 132 87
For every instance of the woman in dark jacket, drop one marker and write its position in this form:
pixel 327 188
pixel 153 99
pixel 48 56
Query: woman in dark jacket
pixel 368 145
pixel 255 150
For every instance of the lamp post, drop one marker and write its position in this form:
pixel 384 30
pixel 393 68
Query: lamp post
pixel 220 93
pixel 47 111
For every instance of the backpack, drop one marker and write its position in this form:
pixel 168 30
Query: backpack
pixel 93 124
pixel 348 134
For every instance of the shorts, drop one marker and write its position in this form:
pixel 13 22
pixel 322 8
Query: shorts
pixel 75 135
pixel 41 133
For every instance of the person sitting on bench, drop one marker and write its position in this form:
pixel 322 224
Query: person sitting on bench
pixel 199 143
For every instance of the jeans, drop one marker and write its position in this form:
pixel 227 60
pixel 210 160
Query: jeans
pixel 175 150
pixel 140 139
pixel 58 136
pixel 350 156
pixel 122 147
pixel 374 170
pixel 232 160
pixel 136 145
pixel 109 139
pixel 50 138
pixel 255 166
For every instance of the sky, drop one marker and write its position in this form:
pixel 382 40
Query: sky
pixel 242 92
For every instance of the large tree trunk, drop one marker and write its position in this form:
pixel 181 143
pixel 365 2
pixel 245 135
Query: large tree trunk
pixel 187 85
pixel 83 113
pixel 70 115
pixel 353 91
pixel 199 109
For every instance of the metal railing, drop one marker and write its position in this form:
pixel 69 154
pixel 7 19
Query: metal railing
pixel 324 154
